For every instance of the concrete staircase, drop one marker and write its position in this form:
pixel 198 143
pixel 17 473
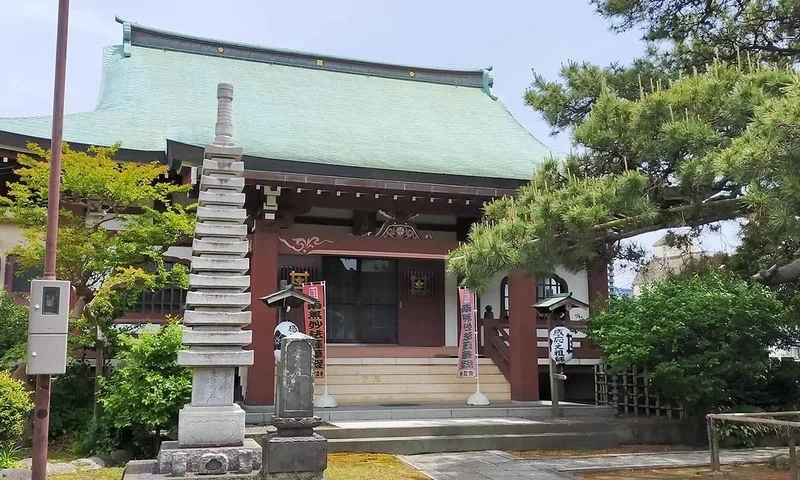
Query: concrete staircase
pixel 402 380
pixel 434 429
pixel 431 436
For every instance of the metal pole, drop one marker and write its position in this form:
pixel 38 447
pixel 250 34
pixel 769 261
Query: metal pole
pixel 713 445
pixel 41 423
pixel 792 456
pixel 555 411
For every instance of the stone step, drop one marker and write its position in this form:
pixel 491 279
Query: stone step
pixel 225 230
pixel 237 248
pixel 457 426
pixel 426 411
pixel 232 214
pixel 221 183
pixel 414 445
pixel 210 265
pixel 211 318
pixel 207 198
pixel 223 166
pixel 207 299
pixel 232 282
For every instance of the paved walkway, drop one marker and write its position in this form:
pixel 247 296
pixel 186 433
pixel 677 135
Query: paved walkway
pixel 497 465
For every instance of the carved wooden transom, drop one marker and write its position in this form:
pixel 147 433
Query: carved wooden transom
pixel 398 225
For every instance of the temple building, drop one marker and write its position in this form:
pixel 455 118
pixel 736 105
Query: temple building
pixel 358 173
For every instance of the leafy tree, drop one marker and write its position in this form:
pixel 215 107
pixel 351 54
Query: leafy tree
pixel 13 330
pixel 681 37
pixel 712 146
pixel 108 266
pixel 144 394
pixel 617 115
pixel 698 31
pixel 698 338
pixel 115 222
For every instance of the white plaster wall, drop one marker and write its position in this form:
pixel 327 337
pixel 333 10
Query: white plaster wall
pixel 492 294
pixel 10 236
pixel 578 284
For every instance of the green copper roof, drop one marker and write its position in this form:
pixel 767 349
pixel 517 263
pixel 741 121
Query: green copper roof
pixel 161 86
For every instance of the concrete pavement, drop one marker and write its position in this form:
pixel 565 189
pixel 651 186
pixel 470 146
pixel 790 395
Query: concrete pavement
pixel 498 465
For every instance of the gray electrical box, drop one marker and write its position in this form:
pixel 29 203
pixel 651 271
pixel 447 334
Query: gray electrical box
pixel 48 327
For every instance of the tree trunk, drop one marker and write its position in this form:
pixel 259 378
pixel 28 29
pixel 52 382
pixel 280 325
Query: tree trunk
pixel 98 374
pixel 779 274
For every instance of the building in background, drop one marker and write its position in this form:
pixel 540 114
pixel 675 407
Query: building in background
pixel 666 260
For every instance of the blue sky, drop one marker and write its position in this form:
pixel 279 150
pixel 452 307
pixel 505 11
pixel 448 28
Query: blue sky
pixel 512 36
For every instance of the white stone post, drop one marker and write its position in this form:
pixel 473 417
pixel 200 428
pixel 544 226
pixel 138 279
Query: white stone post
pixel 214 314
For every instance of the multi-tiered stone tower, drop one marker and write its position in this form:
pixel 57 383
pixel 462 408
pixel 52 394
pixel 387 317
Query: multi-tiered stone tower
pixel 214 305
pixel 211 428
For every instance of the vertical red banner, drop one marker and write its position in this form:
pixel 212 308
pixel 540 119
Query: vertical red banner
pixel 467 348
pixel 315 325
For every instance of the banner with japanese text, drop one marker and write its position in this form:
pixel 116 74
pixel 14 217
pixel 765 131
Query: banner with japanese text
pixel 315 324
pixel 467 347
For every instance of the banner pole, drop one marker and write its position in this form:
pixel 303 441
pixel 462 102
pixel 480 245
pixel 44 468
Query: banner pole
pixel 325 400
pixel 476 398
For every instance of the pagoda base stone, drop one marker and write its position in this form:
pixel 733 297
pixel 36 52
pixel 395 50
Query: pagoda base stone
pixel 307 454
pixel 211 426
pixel 294 476
pixel 243 459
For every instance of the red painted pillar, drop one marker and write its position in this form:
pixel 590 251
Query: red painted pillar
pixel 522 332
pixel 263 281
pixel 598 285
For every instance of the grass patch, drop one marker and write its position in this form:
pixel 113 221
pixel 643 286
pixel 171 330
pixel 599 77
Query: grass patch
pixel 738 472
pixel 59 451
pixel 341 466
pixel 99 474
pixel 369 466
pixel 609 451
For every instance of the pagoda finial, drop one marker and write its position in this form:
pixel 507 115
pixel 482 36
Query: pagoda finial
pixel 224 128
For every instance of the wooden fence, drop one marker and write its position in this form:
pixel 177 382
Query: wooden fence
pixel 630 392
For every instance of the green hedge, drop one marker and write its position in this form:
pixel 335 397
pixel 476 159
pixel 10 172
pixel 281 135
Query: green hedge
pixel 15 404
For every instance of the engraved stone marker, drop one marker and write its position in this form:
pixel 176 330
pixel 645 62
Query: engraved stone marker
pixel 296 395
pixel 295 451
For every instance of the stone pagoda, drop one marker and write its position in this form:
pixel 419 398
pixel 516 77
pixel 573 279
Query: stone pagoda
pixel 211 429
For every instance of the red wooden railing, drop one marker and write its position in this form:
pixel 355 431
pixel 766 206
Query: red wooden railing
pixel 497 344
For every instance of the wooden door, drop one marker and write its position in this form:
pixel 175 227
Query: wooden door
pixel 421 298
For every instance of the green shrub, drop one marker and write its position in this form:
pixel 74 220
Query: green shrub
pixel 702 339
pixel 9 457
pixel 15 404
pixel 72 400
pixel 142 397
pixel 13 330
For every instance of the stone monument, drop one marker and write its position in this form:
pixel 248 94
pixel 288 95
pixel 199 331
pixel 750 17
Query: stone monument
pixel 295 452
pixel 211 438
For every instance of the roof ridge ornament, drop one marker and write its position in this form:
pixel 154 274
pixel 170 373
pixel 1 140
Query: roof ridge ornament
pixel 224 128
pixel 488 82
pixel 126 37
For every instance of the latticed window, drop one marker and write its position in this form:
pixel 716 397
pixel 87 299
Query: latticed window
pixel 167 301
pixel 548 286
pixel 504 305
